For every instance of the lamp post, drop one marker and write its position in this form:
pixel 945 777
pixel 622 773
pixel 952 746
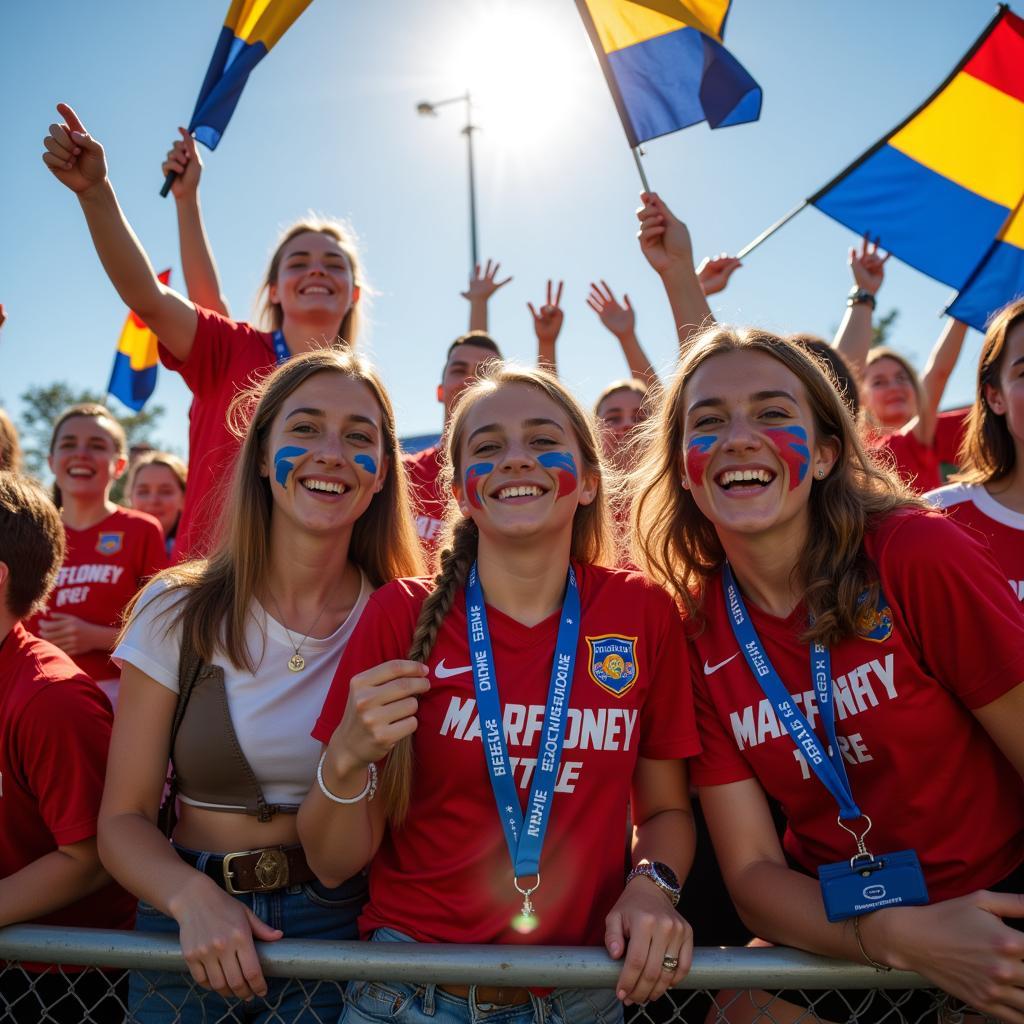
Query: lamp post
pixel 430 110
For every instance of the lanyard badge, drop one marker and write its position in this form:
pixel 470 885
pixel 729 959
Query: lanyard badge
pixel 281 353
pixel 865 882
pixel 524 835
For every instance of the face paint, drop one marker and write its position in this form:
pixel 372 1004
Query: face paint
pixel 565 466
pixel 474 477
pixel 698 456
pixel 283 465
pixel 791 443
pixel 367 463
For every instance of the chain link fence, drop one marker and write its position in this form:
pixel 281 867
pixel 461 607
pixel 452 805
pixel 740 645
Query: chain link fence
pixel 760 986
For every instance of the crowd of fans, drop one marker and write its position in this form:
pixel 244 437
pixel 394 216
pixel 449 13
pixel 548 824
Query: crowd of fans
pixel 419 697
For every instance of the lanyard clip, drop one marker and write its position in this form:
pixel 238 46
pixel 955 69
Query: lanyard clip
pixel 863 853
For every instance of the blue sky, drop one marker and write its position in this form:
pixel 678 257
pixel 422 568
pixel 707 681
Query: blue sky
pixel 328 123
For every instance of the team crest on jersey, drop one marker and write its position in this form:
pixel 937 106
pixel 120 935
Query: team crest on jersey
pixel 874 622
pixel 110 543
pixel 613 663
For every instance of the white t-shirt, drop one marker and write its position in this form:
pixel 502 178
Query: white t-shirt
pixel 272 711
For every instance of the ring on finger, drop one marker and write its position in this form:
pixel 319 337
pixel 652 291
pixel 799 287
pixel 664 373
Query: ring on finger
pixel 669 963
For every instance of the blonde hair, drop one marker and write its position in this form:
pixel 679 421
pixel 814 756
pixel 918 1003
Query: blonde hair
pixel 632 384
pixel 154 458
pixel 883 352
pixel 678 547
pixel 92 411
pixel 591 536
pixel 220 589
pixel 987 452
pixel 10 448
pixel 270 314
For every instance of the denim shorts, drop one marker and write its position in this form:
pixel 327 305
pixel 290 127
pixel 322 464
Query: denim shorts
pixel 308 911
pixel 373 1002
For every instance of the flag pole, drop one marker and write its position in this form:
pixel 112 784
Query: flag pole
pixel 637 153
pixel 768 232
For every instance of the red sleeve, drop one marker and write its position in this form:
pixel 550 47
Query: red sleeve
pixel 209 362
pixel 63 736
pixel 966 622
pixel 668 728
pixel 378 637
pixel 949 432
pixel 719 761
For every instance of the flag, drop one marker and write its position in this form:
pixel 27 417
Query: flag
pixel 941 189
pixel 666 66
pixel 250 31
pixel 133 378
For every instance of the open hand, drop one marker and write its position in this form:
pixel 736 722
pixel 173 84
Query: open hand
pixel 620 320
pixel 73 156
pixel 483 283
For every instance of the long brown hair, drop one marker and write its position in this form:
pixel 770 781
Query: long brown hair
pixel 220 589
pixel 987 452
pixel 591 536
pixel 10 448
pixel 678 547
pixel 270 314
pixel 91 411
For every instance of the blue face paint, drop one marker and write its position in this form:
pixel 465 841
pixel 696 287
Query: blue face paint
pixel 565 465
pixel 367 463
pixel 283 465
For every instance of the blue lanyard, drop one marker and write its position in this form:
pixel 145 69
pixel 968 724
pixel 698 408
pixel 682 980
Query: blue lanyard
pixel 523 835
pixel 830 769
pixel 281 353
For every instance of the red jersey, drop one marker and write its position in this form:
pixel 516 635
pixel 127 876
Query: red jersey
pixel 446 876
pixel 226 357
pixel 946 636
pixel 104 567
pixel 972 506
pixel 424 468
pixel 920 465
pixel 54 733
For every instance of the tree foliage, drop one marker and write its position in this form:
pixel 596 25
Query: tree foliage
pixel 883 327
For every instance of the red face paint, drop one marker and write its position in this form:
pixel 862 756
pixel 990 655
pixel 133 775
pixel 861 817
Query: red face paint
pixel 698 455
pixel 474 478
pixel 564 466
pixel 791 444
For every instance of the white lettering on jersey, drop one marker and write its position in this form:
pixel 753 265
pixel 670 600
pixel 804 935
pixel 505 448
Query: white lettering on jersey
pixel 854 692
pixel 69 575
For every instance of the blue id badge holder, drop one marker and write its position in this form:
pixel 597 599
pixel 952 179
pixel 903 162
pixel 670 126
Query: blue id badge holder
pixel 865 882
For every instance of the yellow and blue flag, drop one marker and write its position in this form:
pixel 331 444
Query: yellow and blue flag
pixel 943 190
pixel 251 29
pixel 133 378
pixel 666 65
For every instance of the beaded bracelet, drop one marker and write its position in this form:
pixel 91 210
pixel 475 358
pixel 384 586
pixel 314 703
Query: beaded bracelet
pixel 368 790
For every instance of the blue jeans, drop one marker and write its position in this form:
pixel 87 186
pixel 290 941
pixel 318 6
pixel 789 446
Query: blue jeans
pixel 307 911
pixel 374 1002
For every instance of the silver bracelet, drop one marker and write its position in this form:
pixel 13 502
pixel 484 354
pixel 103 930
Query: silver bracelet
pixel 369 790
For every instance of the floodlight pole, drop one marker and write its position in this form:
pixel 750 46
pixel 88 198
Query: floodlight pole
pixel 429 109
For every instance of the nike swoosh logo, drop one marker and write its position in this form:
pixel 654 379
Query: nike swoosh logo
pixel 712 669
pixel 444 673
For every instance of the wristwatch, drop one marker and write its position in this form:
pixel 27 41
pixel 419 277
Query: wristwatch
pixel 661 875
pixel 859 295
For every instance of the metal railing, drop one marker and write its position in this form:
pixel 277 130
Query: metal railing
pixel 717 988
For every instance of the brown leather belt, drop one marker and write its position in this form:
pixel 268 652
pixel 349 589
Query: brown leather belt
pixel 486 994
pixel 266 870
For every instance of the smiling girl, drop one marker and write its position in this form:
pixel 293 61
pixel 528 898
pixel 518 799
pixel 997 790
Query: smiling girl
pixel 855 655
pixel 316 520
pixel 311 300
pixel 157 485
pixel 111 551
pixel 537 693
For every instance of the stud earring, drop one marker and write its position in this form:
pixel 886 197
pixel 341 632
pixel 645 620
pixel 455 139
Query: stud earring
pixel 820 474
pixel 685 483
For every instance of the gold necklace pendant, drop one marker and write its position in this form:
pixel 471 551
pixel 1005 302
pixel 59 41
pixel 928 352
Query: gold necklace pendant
pixel 296 662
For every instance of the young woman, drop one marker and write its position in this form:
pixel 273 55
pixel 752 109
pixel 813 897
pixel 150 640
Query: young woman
pixel 111 551
pixel 311 299
pixel 562 681
pixel 825 601
pixel 316 519
pixel 989 494
pixel 156 485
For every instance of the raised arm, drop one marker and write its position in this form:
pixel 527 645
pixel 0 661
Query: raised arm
pixel 77 161
pixel 937 371
pixel 482 285
pixel 201 280
pixel 957 944
pixel 853 339
pixel 665 243
pixel 621 321
pixel 547 324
